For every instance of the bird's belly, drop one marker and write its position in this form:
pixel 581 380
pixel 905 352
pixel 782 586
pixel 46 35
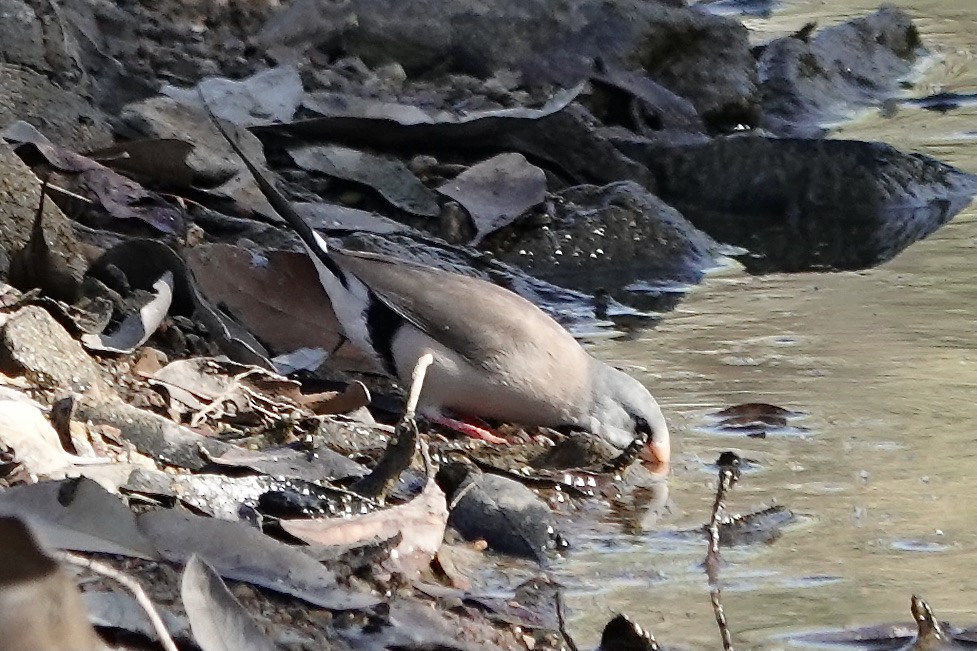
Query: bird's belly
pixel 453 383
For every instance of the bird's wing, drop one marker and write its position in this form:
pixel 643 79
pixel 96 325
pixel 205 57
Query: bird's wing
pixel 480 320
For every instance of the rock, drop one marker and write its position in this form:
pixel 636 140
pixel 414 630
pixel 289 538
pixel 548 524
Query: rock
pixel 511 518
pixel 21 33
pixel 800 204
pixel 606 237
pixel 624 634
pixel 213 163
pixel 19 197
pixel 805 82
pixel 64 116
pixel 704 57
pixel 33 344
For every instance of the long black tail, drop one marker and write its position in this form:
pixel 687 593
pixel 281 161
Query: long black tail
pixel 314 244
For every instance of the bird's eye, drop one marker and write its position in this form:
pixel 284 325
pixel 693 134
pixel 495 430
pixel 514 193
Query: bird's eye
pixel 641 426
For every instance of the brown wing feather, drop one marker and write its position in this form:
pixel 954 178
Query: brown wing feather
pixel 479 319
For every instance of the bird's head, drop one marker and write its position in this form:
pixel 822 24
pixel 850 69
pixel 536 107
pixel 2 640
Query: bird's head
pixel 623 410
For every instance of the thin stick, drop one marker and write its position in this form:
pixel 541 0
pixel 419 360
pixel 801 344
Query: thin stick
pixel 417 383
pixel 728 475
pixel 132 585
pixel 561 622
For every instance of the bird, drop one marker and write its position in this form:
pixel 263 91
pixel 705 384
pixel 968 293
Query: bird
pixel 496 355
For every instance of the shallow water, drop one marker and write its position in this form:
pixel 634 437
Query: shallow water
pixel 883 365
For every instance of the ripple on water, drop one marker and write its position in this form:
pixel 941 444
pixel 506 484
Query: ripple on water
pixel 918 546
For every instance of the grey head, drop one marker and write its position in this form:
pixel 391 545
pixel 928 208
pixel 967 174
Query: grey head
pixel 622 409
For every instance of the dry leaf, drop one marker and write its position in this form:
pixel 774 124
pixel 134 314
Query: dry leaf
pixel 219 622
pixel 276 295
pixel 420 522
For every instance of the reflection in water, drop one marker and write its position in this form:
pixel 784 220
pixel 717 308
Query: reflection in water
pixel 883 364
pixel 799 205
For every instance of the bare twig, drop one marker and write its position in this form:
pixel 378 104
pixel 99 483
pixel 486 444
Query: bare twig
pixel 417 383
pixel 132 585
pixel 561 622
pixel 729 472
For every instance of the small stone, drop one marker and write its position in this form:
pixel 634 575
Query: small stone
pixel 34 345
pixel 421 164
pixel 392 73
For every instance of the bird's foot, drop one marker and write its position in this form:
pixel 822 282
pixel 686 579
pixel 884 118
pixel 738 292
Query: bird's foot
pixel 468 429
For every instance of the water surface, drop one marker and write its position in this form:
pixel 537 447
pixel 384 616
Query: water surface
pixel 883 365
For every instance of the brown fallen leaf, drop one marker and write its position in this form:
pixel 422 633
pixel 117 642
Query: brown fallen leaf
pixel 40 607
pixel 160 160
pixel 277 297
pixel 420 522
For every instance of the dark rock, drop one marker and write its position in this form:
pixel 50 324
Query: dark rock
pixel 624 634
pixel 700 56
pixel 806 82
pixel 511 518
pixel 21 34
pixel 652 107
pixel 32 343
pixel 569 141
pixel 63 115
pixel 798 204
pixel 19 198
pixel 214 165
pixel 607 237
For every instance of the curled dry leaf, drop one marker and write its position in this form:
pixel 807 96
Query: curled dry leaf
pixel 420 522
pixel 122 198
pixel 137 328
pixel 143 261
pixel 496 191
pixel 219 622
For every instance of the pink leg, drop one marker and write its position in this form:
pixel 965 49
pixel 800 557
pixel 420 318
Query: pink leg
pixel 468 429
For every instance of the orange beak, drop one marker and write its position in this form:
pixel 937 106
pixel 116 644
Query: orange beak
pixel 656 455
